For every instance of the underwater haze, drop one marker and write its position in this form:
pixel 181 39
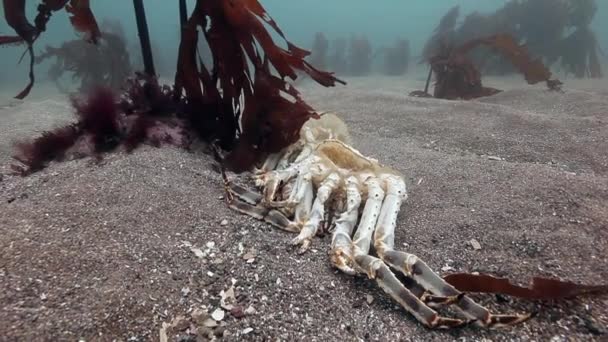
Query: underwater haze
pixel 382 22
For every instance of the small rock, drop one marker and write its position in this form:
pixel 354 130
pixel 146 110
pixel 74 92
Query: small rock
pixel 218 314
pixel 210 244
pixel 250 255
pixel 447 268
pixel 237 312
pixel 199 253
pixel 494 158
pixel 179 323
pixel 43 296
pixel 592 326
pixel 369 299
pixel 209 323
pixel 219 332
pixel 224 222
pixel 199 316
pixel 228 299
pixel 247 331
pixel 185 291
pixel 558 338
pixel 278 281
pixel 475 244
pixel 250 310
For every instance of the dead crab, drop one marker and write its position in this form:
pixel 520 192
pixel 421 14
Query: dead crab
pixel 321 178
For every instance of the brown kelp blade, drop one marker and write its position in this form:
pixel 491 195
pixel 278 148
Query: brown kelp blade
pixel 539 289
pixel 533 70
pixel 83 20
pixel 8 40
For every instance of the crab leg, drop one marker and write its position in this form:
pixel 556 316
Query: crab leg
pixel 272 180
pixel 303 197
pixel 386 279
pixel 318 211
pixel 365 230
pixel 412 266
pixel 341 244
pixel 247 202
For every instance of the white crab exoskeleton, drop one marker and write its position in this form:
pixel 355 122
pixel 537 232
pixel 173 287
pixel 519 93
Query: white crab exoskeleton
pixel 322 179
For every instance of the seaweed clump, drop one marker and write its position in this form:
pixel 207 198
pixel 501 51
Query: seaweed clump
pixel 241 100
pixel 105 122
pixel 106 63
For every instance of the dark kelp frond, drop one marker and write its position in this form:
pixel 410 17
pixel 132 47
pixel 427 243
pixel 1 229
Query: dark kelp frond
pixel 11 40
pixel 539 289
pixel 83 20
pixel 443 34
pixel 244 57
pixel 240 98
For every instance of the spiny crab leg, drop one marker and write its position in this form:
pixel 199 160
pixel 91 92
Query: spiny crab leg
pixel 248 202
pixel 386 279
pixel 341 244
pixel 378 270
pixel 365 230
pixel 311 226
pixel 412 266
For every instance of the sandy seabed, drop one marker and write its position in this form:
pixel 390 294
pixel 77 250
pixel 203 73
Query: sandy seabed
pixel 103 252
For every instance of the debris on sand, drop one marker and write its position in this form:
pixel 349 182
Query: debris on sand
pixel 218 314
pixel 475 244
pixel 228 299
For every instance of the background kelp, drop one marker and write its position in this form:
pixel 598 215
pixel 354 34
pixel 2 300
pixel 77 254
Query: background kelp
pixel 106 63
pixel 563 35
pixel 81 17
pixel 457 77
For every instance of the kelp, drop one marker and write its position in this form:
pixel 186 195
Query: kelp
pixel 539 289
pixel 238 39
pixel 457 77
pixel 14 12
pixel 239 97
pixel 11 40
pixel 563 36
pixel 443 34
pixel 106 63
pixel 144 113
pixel 83 20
